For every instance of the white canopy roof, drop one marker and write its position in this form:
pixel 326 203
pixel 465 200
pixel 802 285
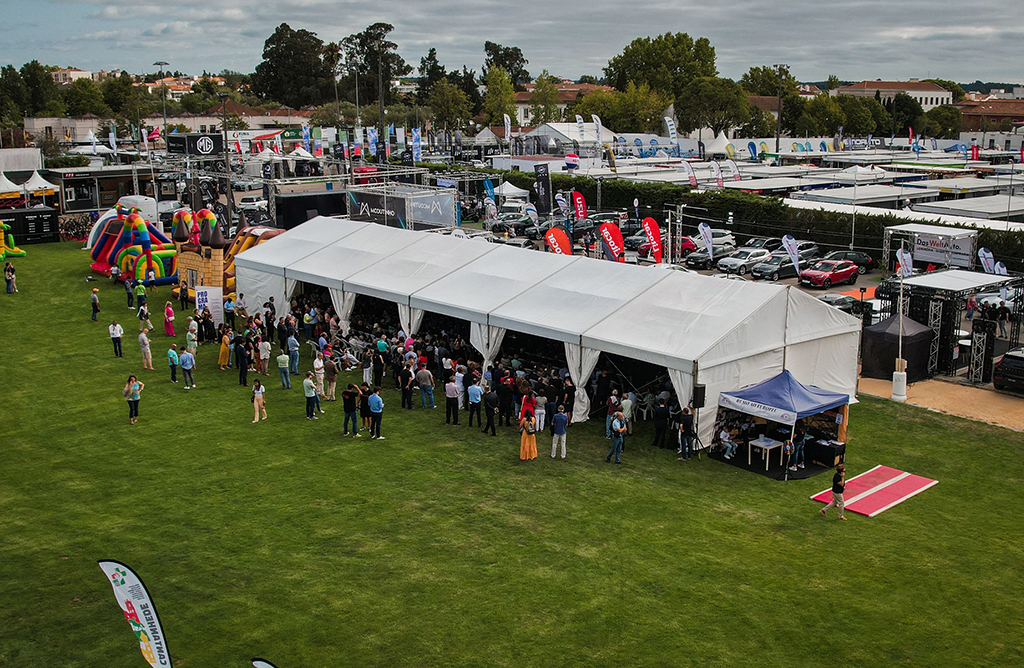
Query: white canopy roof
pixel 284 250
pixel 300 152
pixel 507 189
pixel 8 186
pixel 37 183
pixel 717 146
pixel 955 279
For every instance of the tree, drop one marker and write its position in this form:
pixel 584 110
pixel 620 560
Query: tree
pixel 293 70
pixel 667 63
pixel 944 122
pixel 431 72
pixel 952 87
pixel 371 54
pixel 881 117
pixel 43 95
pixel 588 79
pixel 466 81
pixel 500 98
pixel 832 83
pixel 764 80
pixel 13 95
pixel 449 105
pixel 604 103
pixel 825 114
pixel 508 58
pixel 712 102
pixel 117 90
pixel 544 101
pixel 859 120
pixel 905 112
pixel 640 109
pixel 235 122
pixel 84 96
pixel 760 124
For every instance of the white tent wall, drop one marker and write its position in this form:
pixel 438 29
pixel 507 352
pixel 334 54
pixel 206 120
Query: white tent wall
pixel 764 329
pixel 682 383
pixel 410 319
pixel 343 302
pixel 730 376
pixel 259 286
pixel 581 362
pixel 829 362
pixel 487 340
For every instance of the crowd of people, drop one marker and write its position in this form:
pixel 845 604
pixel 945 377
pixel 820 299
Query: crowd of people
pixel 987 310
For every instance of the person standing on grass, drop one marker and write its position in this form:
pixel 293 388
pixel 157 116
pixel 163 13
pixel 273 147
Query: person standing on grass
pixel 559 423
pixel 94 300
pixel 612 406
pixel 242 359
pixel 293 353
pixel 143 315
pixel 140 293
pixel 169 320
pixel 685 450
pixel 129 292
pixel 318 372
pixel 240 307
pixel 9 277
pixel 626 406
pixel 259 404
pixel 183 296
pixel 116 332
pixel 425 380
pixel 133 394
pixel 528 436
pixel 283 361
pixel 475 395
pixel 172 361
pixel 187 361
pixel 364 405
pixel 406 378
pixel 618 436
pixel 838 487
pixel 309 390
pixel 490 410
pixel 330 378
pixel 147 355
pixel 229 312
pixel 661 416
pixel 376 404
pixel 350 404
pixel 451 402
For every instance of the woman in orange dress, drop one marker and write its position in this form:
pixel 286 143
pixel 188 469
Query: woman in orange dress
pixel 528 440
pixel 224 356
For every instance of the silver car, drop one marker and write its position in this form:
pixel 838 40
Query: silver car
pixel 742 260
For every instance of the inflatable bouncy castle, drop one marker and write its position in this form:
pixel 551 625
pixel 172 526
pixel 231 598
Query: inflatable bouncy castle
pixel 136 247
pixel 7 247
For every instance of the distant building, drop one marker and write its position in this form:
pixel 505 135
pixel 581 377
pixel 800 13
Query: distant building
pixel 769 103
pixel 66 76
pixel 926 93
pixel 568 93
pixel 808 90
pixel 991 115
pixel 103 75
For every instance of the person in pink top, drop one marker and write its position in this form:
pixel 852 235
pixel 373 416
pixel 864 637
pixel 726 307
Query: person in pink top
pixel 169 319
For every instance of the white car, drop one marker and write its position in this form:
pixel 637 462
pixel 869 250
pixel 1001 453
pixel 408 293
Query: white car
pixel 252 202
pixel 743 260
pixel 718 236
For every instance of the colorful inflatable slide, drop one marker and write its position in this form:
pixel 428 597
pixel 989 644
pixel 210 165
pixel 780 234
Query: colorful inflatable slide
pixel 135 246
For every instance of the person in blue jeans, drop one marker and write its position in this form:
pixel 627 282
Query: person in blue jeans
pixel 293 354
pixel 725 440
pixel 376 413
pixel 283 362
pixel 618 434
pixel 425 380
pixel 685 434
pixel 799 441
pixel 350 404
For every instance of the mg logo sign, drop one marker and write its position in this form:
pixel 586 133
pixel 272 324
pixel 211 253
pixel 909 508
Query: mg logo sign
pixel 204 145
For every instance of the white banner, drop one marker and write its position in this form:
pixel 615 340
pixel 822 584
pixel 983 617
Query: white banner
pixel 757 409
pixel 139 610
pixel 690 174
pixel 716 170
pixel 262 663
pixel 508 129
pixel 579 125
pixel 400 137
pixel 597 126
pixel 929 248
pixel 673 138
pixel 531 211
pixel 988 261
pixel 705 235
pixel 213 299
pixel 731 164
pixel 906 261
pixel 789 243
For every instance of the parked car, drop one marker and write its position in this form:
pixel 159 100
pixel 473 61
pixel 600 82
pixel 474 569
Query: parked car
pixel 581 227
pixel 807 250
pixel 718 236
pixel 700 259
pixel 634 241
pixel 770 243
pixel 844 303
pixel 518 242
pixel 506 222
pixel 244 185
pixel 742 260
pixel 683 248
pixel 775 266
pixel 252 202
pixel 1009 371
pixel 825 273
pixel 612 216
pixel 864 262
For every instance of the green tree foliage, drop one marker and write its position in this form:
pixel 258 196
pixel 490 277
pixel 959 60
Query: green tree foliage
pixel 449 105
pixel 431 73
pixel 825 114
pixel 666 63
pixel 466 81
pixel 544 101
pixel 43 95
pixel 760 124
pixel 235 122
pixel 859 120
pixel 906 112
pixel 883 121
pixel 712 102
pixel 84 96
pixel 13 97
pixel 500 98
pixel 293 70
pixel 952 87
pixel 117 91
pixel 508 58
pixel 832 83
pixel 637 109
pixel 372 54
pixel 944 122
pixel 588 79
pixel 764 80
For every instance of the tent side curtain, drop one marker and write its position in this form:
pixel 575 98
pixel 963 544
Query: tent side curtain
pixel 682 383
pixel 581 363
pixel 259 286
pixel 410 319
pixel 487 341
pixel 343 302
pixel 828 362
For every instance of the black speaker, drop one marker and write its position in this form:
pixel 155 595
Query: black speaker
pixel 700 395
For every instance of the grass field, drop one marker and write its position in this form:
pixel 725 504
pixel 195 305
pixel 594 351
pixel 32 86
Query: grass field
pixel 438 547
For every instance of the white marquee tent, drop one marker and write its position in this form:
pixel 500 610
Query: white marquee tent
pixel 724 334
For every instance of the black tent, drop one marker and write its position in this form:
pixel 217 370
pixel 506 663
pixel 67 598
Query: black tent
pixel 881 346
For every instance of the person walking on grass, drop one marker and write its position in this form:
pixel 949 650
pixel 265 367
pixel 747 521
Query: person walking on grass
pixel 133 394
pixel 330 378
pixel 309 390
pixel 490 410
pixel 187 361
pixel 169 320
pixel 350 404
pixel 129 293
pixel 94 300
pixel 559 422
pixel 147 355
pixel 173 361
pixel 528 436
pixel 116 332
pixel 259 404
pixel 283 363
pixel 838 487
pixel 618 434
pixel 143 315
pixel 376 404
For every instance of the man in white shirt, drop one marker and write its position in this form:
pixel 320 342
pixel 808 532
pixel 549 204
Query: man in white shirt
pixel 240 307
pixel 725 440
pixel 116 332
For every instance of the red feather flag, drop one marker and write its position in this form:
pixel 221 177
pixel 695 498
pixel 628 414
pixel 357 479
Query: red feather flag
pixel 654 236
pixel 613 246
pixel 558 240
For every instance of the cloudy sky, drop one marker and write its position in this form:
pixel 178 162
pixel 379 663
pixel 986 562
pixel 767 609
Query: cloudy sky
pixel 857 39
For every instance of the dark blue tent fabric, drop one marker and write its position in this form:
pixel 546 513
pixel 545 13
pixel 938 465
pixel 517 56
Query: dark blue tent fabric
pixel 786 394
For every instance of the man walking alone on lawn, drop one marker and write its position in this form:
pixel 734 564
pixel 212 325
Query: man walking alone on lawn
pixel 618 432
pixel 558 428
pixel 838 487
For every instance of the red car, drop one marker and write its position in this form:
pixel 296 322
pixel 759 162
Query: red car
pixel 683 248
pixel 825 273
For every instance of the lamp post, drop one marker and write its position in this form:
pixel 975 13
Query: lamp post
pixel 778 122
pixel 229 193
pixel 381 128
pixel 163 96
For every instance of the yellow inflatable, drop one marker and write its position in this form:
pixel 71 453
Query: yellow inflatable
pixel 7 247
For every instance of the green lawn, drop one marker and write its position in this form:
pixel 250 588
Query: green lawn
pixel 438 547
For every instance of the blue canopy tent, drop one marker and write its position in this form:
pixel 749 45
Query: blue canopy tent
pixel 782 399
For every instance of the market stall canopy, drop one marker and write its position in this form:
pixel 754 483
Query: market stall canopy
pixel 8 188
pixel 506 189
pixel 881 343
pixel 717 146
pixel 782 399
pixel 301 154
pixel 37 185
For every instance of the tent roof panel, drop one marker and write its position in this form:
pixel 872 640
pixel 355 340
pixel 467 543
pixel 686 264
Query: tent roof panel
pixel 955 279
pixel 284 249
pixel 332 264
